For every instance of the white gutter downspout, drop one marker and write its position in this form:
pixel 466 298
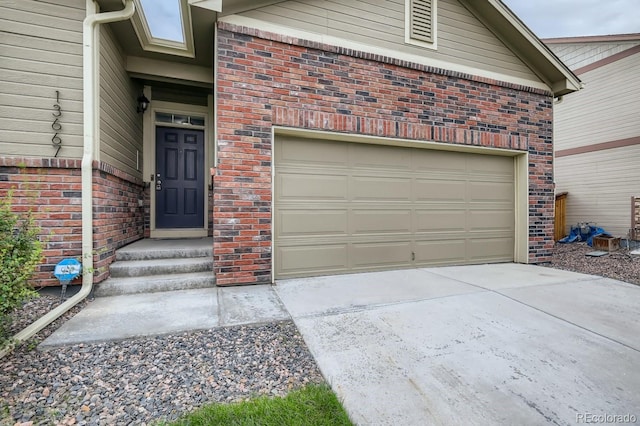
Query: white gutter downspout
pixel 91 107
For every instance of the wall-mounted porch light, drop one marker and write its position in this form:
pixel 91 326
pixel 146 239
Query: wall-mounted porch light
pixel 143 103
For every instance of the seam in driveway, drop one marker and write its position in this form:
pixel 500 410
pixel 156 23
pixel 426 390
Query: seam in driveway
pixel 587 279
pixel 362 308
pixel 549 313
pixel 570 322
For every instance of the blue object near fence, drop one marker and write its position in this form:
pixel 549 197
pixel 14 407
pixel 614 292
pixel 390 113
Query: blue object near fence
pixel 583 233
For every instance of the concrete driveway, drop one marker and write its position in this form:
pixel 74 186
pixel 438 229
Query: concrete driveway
pixel 487 344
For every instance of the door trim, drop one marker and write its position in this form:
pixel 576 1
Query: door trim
pixel 149 160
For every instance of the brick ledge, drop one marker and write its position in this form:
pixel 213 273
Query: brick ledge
pixel 66 163
pixel 317 120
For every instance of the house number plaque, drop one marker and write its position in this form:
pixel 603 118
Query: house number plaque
pixel 56 126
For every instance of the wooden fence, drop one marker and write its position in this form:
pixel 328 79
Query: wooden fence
pixel 634 232
pixel 560 225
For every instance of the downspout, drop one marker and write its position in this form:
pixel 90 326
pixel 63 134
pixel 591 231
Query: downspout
pixel 91 105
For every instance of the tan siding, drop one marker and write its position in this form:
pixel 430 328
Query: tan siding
pixel 577 55
pixel 607 109
pixel 461 38
pixel 120 124
pixel 44 20
pixel 41 51
pixel 600 185
pixel 308 15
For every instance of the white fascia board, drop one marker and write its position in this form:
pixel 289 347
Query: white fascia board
pixel 214 5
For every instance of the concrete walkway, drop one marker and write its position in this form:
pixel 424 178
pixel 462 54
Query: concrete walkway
pixel 135 315
pixel 489 344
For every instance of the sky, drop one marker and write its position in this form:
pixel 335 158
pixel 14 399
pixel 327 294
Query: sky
pixel 572 18
pixel 163 19
pixel 546 18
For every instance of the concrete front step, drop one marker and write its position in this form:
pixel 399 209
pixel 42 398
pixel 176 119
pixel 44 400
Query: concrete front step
pixel 155 267
pixel 149 249
pixel 154 284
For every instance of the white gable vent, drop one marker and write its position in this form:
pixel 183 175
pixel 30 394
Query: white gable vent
pixel 422 20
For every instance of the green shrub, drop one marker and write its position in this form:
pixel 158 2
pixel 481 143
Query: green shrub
pixel 20 253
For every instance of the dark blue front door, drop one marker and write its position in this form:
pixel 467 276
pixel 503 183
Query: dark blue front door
pixel 179 178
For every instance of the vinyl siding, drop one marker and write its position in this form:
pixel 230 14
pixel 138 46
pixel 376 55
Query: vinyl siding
pixel 577 55
pixel 600 185
pixel 461 38
pixel 607 109
pixel 41 52
pixel 120 124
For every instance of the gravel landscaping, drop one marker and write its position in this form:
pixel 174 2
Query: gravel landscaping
pixel 148 380
pixel 619 265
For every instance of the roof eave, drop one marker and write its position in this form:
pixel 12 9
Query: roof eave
pixel 593 39
pixel 524 43
pixel 564 87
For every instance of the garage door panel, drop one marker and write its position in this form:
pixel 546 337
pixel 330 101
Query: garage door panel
pixel 491 249
pixel 438 190
pixel 432 220
pixel 310 152
pixel 297 186
pixel 373 222
pixel 491 165
pixel 384 157
pixel 440 252
pixel 491 220
pixel 312 221
pixel 383 207
pixel 491 192
pixel 313 259
pixel 438 161
pixel 366 188
pixel 380 255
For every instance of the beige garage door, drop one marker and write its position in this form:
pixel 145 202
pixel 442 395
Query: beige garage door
pixel 351 207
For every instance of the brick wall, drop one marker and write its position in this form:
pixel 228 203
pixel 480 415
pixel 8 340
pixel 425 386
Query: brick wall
pixel 51 188
pixel 118 215
pixel 267 79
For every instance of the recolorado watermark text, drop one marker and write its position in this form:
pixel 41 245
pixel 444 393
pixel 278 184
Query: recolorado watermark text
pixel 605 418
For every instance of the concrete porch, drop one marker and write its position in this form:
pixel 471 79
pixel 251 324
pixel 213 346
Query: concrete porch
pixel 160 286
